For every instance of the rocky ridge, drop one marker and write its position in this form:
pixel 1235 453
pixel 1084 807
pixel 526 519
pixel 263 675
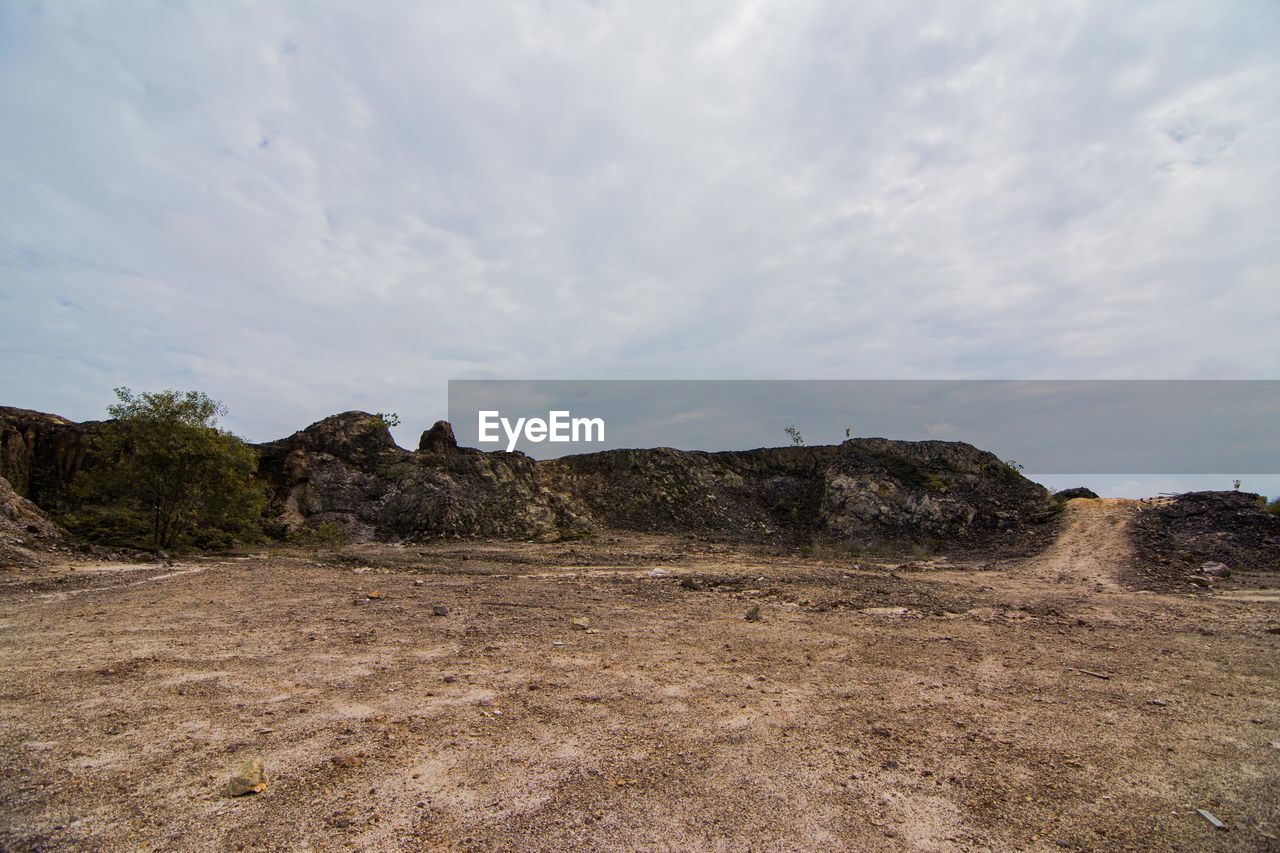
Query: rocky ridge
pixel 346 470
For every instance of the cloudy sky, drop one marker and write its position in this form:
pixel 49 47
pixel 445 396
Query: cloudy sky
pixel 306 208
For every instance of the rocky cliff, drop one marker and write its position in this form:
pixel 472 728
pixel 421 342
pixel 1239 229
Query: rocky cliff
pixel 39 453
pixel 346 470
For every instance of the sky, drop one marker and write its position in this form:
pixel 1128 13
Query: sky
pixel 305 208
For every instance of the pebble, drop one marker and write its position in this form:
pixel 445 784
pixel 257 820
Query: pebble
pixel 249 778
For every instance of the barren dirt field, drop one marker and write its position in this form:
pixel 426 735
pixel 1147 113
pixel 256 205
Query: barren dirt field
pixel 1040 703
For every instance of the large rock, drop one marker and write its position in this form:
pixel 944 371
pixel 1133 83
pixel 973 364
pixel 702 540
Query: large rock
pixel 438 438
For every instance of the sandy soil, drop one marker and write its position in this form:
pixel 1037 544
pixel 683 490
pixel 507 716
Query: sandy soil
pixel 1040 703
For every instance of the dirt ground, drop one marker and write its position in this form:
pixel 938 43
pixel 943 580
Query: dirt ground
pixel 1039 703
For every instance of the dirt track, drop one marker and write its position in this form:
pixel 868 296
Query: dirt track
pixel 875 705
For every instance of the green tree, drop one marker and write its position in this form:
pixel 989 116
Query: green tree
pixel 163 468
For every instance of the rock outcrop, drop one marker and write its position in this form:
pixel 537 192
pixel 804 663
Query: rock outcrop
pixel 346 470
pixel 917 491
pixel 39 452
pixel 749 493
pixel 1075 492
pixel 438 439
pixel 1177 536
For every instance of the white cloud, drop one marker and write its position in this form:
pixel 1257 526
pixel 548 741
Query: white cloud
pixel 302 209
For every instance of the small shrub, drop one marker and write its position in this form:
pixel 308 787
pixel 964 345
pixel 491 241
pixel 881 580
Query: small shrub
pixel 326 534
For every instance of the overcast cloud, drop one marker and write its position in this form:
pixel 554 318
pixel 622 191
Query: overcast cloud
pixel 307 208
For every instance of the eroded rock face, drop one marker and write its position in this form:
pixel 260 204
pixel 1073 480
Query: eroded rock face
pixel 39 452
pixel 882 490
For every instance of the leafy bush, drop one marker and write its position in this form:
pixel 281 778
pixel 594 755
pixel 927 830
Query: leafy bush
pixel 164 476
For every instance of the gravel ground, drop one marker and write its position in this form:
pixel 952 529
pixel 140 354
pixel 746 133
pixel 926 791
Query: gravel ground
pixel 1025 703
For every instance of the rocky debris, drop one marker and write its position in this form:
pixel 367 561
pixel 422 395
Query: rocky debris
pixel 580 623
pixel 438 438
pixel 1186 538
pixel 25 530
pixel 250 777
pixel 39 452
pixel 440 610
pixel 1076 492
pixel 20 517
pixel 753 614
